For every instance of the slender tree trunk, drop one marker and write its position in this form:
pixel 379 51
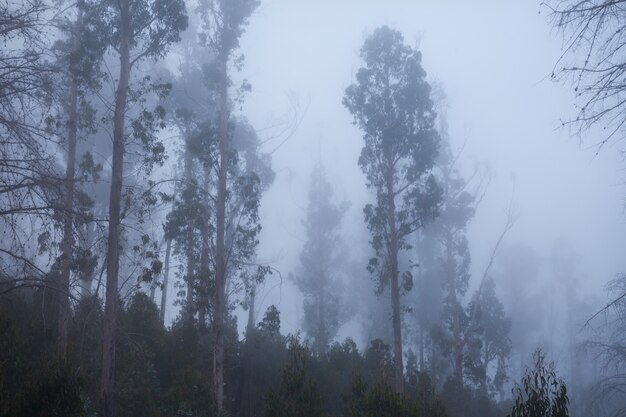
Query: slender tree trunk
pixel 203 293
pixel 191 259
pixel 322 341
pixel 395 289
pixel 246 387
pixel 89 232
pixel 456 325
pixel 166 272
pixel 421 348
pixel 483 377
pixel 251 307
pixel 107 408
pixel 166 276
pixel 68 206
pixel 220 270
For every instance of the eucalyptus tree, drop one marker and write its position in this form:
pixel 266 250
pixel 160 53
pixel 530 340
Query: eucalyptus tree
pixel 79 56
pixel 321 264
pixel 493 330
pixel 391 104
pixel 139 30
pixel 450 232
pixel 224 23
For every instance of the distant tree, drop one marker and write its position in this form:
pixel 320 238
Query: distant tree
pixel 427 302
pixel 450 231
pixel 391 104
pixel 320 261
pixel 518 269
pixel 494 343
pixel 296 394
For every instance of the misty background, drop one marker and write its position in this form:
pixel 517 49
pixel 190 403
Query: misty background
pixel 493 60
pixel 209 219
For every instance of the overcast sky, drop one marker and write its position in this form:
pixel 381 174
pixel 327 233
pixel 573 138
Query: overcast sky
pixel 493 59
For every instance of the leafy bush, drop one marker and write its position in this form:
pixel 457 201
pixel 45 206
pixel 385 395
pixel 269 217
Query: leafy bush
pixel 541 393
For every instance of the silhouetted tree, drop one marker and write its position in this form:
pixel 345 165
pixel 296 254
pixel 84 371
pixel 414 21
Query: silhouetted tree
pixel 391 104
pixel 494 344
pixel 320 261
pixel 593 41
pixel 139 30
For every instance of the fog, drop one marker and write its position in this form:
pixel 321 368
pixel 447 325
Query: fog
pixel 493 60
pixel 264 208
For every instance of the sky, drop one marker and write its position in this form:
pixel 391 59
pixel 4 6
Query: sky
pixel 493 59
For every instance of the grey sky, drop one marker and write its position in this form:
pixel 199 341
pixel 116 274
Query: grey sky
pixel 493 59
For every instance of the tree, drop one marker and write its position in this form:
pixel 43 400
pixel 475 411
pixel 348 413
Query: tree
pixel 391 104
pixel 30 186
pixel 593 44
pixel 493 336
pixel 224 23
pixel 139 30
pixel 320 261
pixel 80 55
pixel 449 230
pixel 296 394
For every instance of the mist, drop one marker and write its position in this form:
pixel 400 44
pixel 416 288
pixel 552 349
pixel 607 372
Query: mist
pixel 295 208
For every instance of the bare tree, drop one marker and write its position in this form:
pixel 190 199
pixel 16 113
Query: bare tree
pixel 30 177
pixel 594 42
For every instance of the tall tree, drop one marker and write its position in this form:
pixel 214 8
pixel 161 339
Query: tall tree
pixel 224 23
pixel 450 231
pixel 80 55
pixel 140 30
pixel 320 261
pixel 391 104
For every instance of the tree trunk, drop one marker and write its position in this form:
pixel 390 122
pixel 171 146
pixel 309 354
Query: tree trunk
pixel 68 206
pixel 205 261
pixel 485 365
pixel 322 342
pixel 395 289
pixel 250 326
pixel 220 261
pixel 421 348
pixel 456 325
pixel 166 275
pixel 107 408
pixel 191 259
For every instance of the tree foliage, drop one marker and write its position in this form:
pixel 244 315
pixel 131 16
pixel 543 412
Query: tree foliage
pixel 391 104
pixel 321 260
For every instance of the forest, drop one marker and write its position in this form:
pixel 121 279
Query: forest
pixel 293 208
